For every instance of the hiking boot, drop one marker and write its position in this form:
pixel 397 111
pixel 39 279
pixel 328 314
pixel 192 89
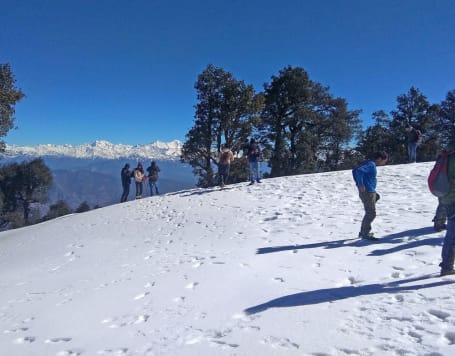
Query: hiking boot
pixel 447 273
pixel 369 236
pixel 259 181
pixel 439 228
pixel 251 183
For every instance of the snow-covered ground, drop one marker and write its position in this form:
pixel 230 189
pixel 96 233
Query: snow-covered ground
pixel 269 269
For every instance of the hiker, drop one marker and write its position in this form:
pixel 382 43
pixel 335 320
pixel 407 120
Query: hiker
pixel 153 171
pixel 254 153
pixel 125 176
pixel 448 200
pixel 224 164
pixel 139 176
pixel 365 179
pixel 413 137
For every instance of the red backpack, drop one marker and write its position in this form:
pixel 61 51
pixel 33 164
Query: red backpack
pixel 438 181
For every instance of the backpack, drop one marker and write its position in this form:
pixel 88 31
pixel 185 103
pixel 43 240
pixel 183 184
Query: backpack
pixel 438 180
pixel 153 176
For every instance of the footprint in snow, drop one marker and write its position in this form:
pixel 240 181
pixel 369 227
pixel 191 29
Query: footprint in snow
pixel 192 285
pixel 117 352
pixel 450 337
pixel 178 299
pixel 347 282
pixel 279 343
pixel 69 353
pixel 57 340
pixel 15 330
pixel 398 268
pixel 24 340
pixel 141 296
pixel 439 314
pixel 416 336
pixel 222 344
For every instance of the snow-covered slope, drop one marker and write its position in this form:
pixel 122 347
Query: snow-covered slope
pixel 269 269
pixel 100 149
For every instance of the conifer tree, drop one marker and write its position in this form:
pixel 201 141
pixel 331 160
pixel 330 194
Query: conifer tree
pixel 224 115
pixel 446 125
pixel 9 96
pixel 306 126
pixel 22 185
pixel 60 208
pixel 414 108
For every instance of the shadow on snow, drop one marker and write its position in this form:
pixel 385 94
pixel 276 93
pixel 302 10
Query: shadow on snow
pixel 397 238
pixel 334 294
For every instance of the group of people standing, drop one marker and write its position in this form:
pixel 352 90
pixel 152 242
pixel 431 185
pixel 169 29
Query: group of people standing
pixel 139 178
pixel 226 157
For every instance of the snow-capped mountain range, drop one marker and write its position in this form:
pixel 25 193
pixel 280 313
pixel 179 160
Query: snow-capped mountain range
pixel 90 172
pixel 99 149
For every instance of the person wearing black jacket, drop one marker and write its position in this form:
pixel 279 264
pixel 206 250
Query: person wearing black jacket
pixel 413 137
pixel 153 171
pixel 125 176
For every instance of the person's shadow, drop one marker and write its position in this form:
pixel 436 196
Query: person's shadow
pixel 200 191
pixel 325 244
pixel 334 294
pixel 355 242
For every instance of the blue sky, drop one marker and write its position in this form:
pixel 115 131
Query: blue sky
pixel 124 71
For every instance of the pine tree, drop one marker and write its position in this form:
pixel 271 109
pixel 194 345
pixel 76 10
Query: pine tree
pixel 60 208
pixel 446 124
pixel 224 115
pixel 307 127
pixel 9 96
pixel 413 108
pixel 22 185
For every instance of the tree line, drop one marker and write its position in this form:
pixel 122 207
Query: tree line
pixel 302 127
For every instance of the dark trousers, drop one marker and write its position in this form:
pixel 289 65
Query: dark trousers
pixel 369 204
pixel 440 216
pixel 138 189
pixel 223 173
pixel 126 191
pixel 448 247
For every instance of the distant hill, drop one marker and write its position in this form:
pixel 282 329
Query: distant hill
pixel 91 172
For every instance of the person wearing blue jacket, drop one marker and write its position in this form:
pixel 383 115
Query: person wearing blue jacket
pixel 365 178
